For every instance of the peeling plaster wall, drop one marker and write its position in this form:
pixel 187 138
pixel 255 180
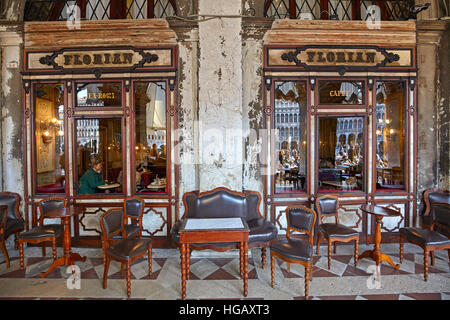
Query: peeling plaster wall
pixel 11 111
pixel 220 141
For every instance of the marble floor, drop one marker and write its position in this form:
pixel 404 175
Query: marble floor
pixel 215 275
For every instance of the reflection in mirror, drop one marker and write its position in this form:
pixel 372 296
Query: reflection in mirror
pixel 150 139
pixel 49 129
pixel 341 92
pixel 341 154
pixel 390 135
pixel 290 122
pixel 99 155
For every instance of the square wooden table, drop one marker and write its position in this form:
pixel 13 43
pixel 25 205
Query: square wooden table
pixel 214 230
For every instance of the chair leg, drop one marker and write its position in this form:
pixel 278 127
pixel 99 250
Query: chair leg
pixel 401 249
pixel 54 248
pixel 263 257
pixel 356 251
pixel 105 272
pixel 150 261
pixel 335 246
pixel 128 280
pixel 425 264
pixel 288 267
pixel 43 249
pixel 272 269
pixel 329 253
pixel 5 253
pixel 122 269
pixel 432 257
pixel 22 259
pixel 16 241
pixel 307 272
pixel 318 243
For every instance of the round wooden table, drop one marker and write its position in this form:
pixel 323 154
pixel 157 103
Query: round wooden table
pixel 69 258
pixel 376 254
pixel 109 187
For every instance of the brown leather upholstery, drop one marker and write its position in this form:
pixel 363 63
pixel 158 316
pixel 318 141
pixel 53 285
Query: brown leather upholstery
pixel 327 206
pixel 40 232
pixel 293 249
pixel 425 237
pixel 296 249
pixel 14 221
pixel 337 230
pixel 125 250
pixel 436 232
pixel 128 248
pixel 222 202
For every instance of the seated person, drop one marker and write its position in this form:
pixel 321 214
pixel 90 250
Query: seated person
pixel 92 178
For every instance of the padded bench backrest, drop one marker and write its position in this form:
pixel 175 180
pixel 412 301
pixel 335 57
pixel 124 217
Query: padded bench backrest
pixel 222 203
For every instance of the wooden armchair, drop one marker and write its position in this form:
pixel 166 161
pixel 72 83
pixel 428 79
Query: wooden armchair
pixel 296 250
pixel 13 222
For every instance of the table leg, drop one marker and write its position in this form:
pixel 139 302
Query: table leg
pixel 69 257
pixel 245 245
pixel 241 260
pixel 188 261
pixel 183 271
pixel 376 253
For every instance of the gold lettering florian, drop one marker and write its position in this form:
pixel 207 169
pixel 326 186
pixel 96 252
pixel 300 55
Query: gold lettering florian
pixel 341 57
pixel 98 59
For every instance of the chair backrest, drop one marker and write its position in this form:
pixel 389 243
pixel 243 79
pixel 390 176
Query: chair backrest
pixel 111 223
pixel 327 206
pixel 12 200
pixel 301 219
pixel 222 202
pixel 440 217
pixel 134 208
pixel 49 204
pixel 434 195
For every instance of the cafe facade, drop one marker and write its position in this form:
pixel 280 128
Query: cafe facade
pixel 224 97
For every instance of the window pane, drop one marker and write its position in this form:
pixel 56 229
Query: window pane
pixel 150 121
pixel 341 92
pixel 341 154
pixel 390 135
pixel 99 141
pixel 290 100
pixel 49 117
pixel 99 95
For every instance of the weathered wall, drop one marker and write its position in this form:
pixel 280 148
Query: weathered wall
pixel 432 107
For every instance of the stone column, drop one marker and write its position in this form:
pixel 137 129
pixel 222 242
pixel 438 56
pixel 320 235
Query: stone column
pixel 432 107
pixel 11 40
pixel 220 143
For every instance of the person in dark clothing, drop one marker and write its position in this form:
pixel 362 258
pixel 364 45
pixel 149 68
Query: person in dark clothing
pixel 92 178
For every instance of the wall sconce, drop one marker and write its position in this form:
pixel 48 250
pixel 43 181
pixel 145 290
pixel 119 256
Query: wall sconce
pixel 47 127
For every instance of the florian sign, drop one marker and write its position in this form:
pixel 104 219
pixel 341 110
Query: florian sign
pixel 100 60
pixel 338 58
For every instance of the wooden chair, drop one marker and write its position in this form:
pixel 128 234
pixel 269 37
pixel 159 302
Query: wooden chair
pixel 327 206
pixel 296 250
pixel 43 232
pixel 13 222
pixel 126 251
pixel 429 239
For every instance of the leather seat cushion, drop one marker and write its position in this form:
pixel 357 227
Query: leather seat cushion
pixel 425 237
pixel 337 230
pixel 291 248
pixel 129 248
pixel 261 231
pixel 41 232
pixel 130 230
